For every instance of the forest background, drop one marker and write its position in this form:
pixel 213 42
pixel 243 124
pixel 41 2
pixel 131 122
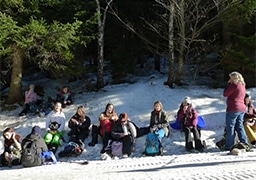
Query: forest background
pixel 93 39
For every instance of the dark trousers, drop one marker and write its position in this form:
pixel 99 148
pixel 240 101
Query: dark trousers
pixel 26 109
pixel 127 145
pixel 105 138
pixel 77 137
pixel 189 140
pixel 142 131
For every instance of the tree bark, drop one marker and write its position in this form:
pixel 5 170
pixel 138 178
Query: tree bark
pixel 170 79
pixel 15 94
pixel 182 35
pixel 101 27
pixel 100 80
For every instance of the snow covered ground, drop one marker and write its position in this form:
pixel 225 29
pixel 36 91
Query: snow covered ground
pixel 137 100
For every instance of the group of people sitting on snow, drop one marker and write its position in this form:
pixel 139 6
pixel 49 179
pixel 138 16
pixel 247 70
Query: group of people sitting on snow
pixel 118 133
pixel 42 107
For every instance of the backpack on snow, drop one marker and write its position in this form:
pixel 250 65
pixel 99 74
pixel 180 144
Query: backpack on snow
pixel 153 145
pixel 71 149
pixel 31 154
pixel 117 148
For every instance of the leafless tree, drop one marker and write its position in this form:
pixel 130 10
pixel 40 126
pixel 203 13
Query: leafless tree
pixel 101 27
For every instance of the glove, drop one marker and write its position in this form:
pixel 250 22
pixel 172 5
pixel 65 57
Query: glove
pixel 153 129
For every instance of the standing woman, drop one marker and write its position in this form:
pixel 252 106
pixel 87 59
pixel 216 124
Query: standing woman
pixel 235 93
pixel 12 148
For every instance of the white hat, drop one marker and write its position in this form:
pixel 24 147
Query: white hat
pixel 187 100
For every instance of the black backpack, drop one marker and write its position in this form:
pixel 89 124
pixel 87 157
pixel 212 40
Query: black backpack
pixel 31 154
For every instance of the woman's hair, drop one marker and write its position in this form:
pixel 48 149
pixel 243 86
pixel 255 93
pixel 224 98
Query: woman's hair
pixel 123 116
pixel 237 77
pixel 159 103
pixel 63 87
pixel 7 130
pixel 106 110
pixel 82 109
pixel 109 104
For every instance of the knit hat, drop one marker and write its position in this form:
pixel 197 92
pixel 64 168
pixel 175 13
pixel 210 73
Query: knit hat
pixel 247 96
pixel 187 100
pixel 36 130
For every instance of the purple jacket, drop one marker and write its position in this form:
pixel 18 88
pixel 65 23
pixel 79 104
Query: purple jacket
pixel 235 94
pixel 188 117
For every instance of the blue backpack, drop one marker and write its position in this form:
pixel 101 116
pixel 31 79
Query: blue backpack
pixel 71 149
pixel 153 145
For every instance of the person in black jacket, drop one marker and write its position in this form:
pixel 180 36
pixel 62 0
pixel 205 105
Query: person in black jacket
pixel 79 126
pixel 123 130
pixel 65 97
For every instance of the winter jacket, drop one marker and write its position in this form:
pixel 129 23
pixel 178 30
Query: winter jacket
pixel 30 96
pixel 61 97
pixel 250 112
pixel 235 94
pixel 58 117
pixel 39 141
pixel 81 128
pixel 161 120
pixel 106 123
pixel 39 148
pixel 117 130
pixel 188 117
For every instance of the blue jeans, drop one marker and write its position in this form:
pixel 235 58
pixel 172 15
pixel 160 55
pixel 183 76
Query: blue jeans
pixel 234 122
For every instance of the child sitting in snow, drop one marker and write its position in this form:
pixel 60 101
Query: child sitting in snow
pixel 55 124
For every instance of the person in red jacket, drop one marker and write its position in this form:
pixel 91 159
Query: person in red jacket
pixel 235 92
pixel 188 119
pixel 250 119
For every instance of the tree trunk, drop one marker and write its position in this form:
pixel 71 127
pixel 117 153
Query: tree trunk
pixel 181 27
pixel 157 62
pixel 170 79
pixel 15 94
pixel 100 81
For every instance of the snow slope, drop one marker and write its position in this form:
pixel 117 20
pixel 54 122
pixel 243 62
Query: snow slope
pixel 137 100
